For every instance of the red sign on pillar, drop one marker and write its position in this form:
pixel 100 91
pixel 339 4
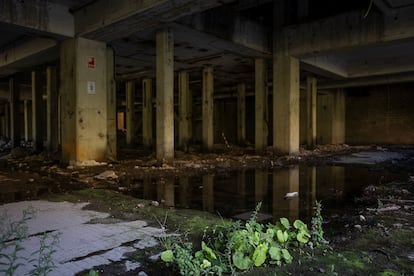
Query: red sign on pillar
pixel 91 62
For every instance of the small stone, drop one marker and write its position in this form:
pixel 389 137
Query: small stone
pixel 155 203
pixel 358 227
pixel 31 180
pixel 140 205
pixel 142 273
pixel 397 225
pixel 362 218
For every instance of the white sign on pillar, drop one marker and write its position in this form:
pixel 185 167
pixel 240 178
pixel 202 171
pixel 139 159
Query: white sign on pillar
pixel 91 87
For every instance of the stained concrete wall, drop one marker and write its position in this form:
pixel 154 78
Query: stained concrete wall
pixel 380 115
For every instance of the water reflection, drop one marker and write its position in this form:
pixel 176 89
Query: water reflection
pixel 235 194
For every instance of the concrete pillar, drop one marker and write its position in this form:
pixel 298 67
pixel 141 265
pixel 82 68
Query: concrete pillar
pixel 311 94
pixel 7 120
pixel 165 96
pixel 130 112
pixel 37 110
pixel 111 153
pixel 260 104
pixel 241 113
pixel 207 108
pixel 286 181
pixel 147 138
pixel 208 193
pixel 14 112
pixel 184 110
pixel 338 118
pixel 285 104
pixel 26 112
pixel 52 130
pixel 83 89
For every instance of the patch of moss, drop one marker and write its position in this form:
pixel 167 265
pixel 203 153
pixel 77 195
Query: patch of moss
pixel 185 220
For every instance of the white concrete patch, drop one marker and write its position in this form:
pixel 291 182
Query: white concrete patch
pixel 82 245
pixel 369 158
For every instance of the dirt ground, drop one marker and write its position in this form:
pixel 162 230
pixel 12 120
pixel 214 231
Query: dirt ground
pixel 373 237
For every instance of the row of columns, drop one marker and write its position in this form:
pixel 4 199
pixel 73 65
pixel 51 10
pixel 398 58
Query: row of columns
pixel 286 94
pixel 34 123
pixel 89 111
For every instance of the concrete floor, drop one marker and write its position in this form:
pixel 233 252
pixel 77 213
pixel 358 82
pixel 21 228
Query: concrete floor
pixel 87 239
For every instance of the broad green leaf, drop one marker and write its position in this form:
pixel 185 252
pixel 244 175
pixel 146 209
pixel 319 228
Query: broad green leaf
pixel 240 261
pixel 167 256
pixel 298 224
pixel 259 255
pixel 285 222
pixel 303 236
pixel 286 255
pixel 275 253
pixel 280 236
pixel 205 264
pixel 208 250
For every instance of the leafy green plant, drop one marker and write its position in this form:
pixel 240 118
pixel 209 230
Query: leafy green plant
pixel 44 263
pixel 12 235
pixel 232 247
pixel 91 272
pixel 316 225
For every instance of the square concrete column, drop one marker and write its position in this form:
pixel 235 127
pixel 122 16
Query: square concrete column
pixel 260 104
pixel 338 118
pixel 165 96
pixel 147 138
pixel 52 103
pixel 111 152
pixel 241 113
pixel 130 112
pixel 37 110
pixel 208 108
pixel 27 119
pixel 14 101
pixel 7 120
pixel 285 104
pixel 184 110
pixel 311 94
pixel 83 90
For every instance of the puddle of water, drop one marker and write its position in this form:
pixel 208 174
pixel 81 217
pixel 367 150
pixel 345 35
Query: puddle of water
pixel 235 194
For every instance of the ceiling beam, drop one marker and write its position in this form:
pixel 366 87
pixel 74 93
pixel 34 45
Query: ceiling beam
pixel 347 31
pixel 104 21
pixel 38 16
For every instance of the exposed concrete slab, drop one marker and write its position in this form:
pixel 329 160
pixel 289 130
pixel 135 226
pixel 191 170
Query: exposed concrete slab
pixel 83 244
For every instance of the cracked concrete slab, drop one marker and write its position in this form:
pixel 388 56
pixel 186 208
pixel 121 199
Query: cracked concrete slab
pixel 82 243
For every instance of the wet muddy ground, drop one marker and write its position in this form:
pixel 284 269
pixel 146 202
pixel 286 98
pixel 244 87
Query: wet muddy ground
pixel 366 193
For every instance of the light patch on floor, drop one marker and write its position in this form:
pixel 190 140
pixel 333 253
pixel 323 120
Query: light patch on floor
pixel 82 245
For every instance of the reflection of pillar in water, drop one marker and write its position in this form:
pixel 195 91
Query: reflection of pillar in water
pixel 307 181
pixel 208 193
pixel 339 181
pixel 184 192
pixel 241 189
pixel 147 182
pixel 260 185
pixel 286 181
pixel 165 191
pixel 330 182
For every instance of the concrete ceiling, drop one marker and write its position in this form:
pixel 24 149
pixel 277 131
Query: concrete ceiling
pixel 197 45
